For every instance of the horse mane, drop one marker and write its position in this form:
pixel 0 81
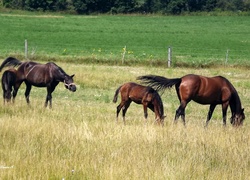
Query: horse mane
pixel 158 98
pixel 58 69
pixel 234 102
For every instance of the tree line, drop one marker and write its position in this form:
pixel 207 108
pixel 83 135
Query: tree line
pixel 129 6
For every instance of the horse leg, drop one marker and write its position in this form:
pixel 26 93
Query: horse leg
pixel 181 112
pixel 184 100
pixel 48 98
pixel 154 108
pixel 158 119
pixel 4 95
pixel 27 92
pixel 50 89
pixel 14 93
pixel 8 95
pixel 124 110
pixel 16 87
pixel 210 112
pixel 118 109
pixel 224 112
pixel 145 106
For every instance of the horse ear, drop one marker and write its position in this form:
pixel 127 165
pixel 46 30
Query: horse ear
pixel 72 75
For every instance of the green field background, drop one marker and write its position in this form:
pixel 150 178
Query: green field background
pixel 195 40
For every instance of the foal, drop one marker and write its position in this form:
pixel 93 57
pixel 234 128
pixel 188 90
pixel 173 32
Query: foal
pixel 139 94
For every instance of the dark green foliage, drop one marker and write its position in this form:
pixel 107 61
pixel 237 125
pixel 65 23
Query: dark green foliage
pixel 129 6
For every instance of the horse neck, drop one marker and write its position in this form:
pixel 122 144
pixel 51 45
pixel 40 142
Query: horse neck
pixel 58 73
pixel 235 103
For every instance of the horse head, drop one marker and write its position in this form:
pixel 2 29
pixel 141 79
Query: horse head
pixel 69 83
pixel 238 118
pixel 160 120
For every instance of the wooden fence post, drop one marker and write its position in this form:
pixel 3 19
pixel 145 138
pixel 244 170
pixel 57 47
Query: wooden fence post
pixel 123 54
pixel 169 56
pixel 26 49
pixel 227 56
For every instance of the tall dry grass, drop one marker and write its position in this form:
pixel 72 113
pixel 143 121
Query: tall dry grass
pixel 79 139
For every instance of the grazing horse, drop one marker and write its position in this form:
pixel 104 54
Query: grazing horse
pixel 139 94
pixel 40 75
pixel 8 82
pixel 203 90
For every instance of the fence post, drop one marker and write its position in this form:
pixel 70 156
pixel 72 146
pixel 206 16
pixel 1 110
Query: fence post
pixel 26 49
pixel 227 56
pixel 123 54
pixel 169 56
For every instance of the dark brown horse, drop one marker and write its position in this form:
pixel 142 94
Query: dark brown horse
pixel 8 83
pixel 139 94
pixel 40 75
pixel 203 90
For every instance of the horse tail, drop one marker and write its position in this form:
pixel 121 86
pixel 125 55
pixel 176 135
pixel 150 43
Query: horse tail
pixel 8 79
pixel 116 94
pixel 10 61
pixel 158 82
pixel 4 80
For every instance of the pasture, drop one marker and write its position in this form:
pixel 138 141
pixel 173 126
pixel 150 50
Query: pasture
pixel 79 139
pixel 195 40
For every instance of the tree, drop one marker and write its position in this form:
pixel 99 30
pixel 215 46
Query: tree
pixel 176 6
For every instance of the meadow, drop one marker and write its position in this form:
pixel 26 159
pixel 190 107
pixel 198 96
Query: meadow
pixel 196 41
pixel 79 137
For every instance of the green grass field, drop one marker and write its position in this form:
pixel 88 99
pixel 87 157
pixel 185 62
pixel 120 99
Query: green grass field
pixel 79 139
pixel 195 40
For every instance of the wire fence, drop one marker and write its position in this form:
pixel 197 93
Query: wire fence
pixel 170 54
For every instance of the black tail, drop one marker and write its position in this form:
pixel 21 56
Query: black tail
pixel 10 61
pixel 158 82
pixel 116 94
pixel 8 80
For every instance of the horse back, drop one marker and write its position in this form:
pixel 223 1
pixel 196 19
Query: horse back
pixel 35 73
pixel 205 90
pixel 136 92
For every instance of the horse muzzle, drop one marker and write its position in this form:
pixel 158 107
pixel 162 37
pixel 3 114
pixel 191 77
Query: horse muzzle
pixel 71 87
pixel 236 122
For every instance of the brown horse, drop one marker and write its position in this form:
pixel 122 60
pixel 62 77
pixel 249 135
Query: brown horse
pixel 40 75
pixel 139 94
pixel 8 83
pixel 203 90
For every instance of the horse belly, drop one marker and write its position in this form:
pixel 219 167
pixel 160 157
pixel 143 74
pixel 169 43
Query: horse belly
pixel 136 100
pixel 38 84
pixel 38 81
pixel 214 99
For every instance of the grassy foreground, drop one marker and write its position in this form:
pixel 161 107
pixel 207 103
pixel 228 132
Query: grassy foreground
pixel 79 139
